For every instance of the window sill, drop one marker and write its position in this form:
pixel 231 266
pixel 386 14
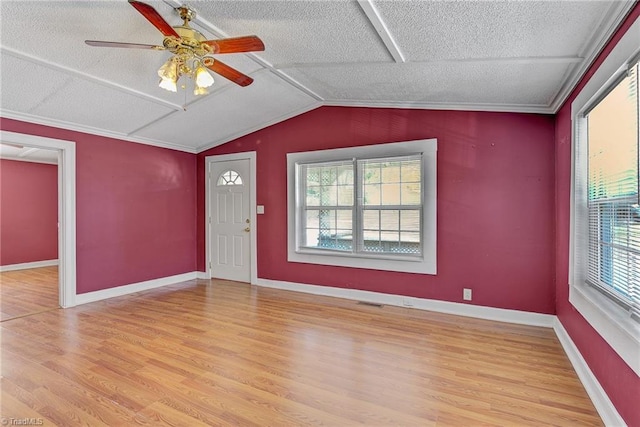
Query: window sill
pixel 615 325
pixel 379 262
pixel 361 255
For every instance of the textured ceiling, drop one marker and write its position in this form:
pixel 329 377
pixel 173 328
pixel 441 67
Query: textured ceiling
pixel 521 56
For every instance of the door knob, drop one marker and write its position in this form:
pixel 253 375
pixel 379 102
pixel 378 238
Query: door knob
pixel 247 229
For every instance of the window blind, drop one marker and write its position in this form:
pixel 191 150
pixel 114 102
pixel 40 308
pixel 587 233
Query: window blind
pixel 613 209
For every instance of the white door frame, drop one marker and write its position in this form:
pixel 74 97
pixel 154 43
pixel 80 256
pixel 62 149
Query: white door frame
pixel 251 156
pixel 66 208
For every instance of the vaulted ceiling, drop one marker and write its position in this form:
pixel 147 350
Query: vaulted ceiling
pixel 521 56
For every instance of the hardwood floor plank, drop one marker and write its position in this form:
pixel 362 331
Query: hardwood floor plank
pixel 226 353
pixel 24 292
pixel 17 401
pixel 164 415
pixel 11 405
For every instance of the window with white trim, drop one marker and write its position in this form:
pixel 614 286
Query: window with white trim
pixel 366 207
pixel 604 271
pixel 612 192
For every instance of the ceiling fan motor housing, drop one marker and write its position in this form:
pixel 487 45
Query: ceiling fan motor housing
pixel 190 39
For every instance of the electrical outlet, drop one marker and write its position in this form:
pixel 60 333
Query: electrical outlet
pixel 466 294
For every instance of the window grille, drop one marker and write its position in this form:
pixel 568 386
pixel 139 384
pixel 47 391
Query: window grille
pixel 229 177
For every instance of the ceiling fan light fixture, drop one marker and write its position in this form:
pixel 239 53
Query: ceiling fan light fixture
pixel 169 85
pixel 189 46
pixel 204 79
pixel 169 75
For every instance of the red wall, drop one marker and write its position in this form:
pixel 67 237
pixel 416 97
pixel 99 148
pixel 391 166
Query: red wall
pixel 135 208
pixel 495 201
pixel 503 211
pixel 28 212
pixel 615 376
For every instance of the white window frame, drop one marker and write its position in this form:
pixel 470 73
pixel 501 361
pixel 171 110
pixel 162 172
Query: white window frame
pixel 426 264
pixel 610 320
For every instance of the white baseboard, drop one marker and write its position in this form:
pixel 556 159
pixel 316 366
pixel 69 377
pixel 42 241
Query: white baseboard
pixel 28 265
pixel 133 288
pixel 489 313
pixel 202 275
pixel 601 401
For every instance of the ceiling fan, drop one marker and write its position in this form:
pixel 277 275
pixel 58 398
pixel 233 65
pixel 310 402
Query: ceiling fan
pixel 190 51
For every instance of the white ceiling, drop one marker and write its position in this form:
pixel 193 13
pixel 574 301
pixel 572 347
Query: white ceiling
pixel 521 56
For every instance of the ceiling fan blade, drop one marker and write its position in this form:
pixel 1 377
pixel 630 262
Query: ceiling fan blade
pixel 154 17
pixel 99 43
pixel 227 72
pixel 236 44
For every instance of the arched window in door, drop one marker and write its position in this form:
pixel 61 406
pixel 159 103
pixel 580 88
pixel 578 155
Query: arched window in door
pixel 229 177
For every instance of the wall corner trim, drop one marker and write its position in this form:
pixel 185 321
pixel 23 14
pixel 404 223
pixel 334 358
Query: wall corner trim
pixel 598 396
pixel 460 309
pixel 202 275
pixel 134 287
pixel 28 265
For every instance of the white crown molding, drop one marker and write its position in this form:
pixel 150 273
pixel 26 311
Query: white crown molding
pixel 133 288
pixel 14 115
pixel 601 401
pixel 506 108
pixel 610 22
pixel 29 265
pixel 262 125
pixel 487 60
pixel 468 310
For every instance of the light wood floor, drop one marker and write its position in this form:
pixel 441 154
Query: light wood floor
pixel 24 292
pixel 225 353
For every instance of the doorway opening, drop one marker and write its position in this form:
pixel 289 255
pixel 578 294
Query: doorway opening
pixel 66 207
pixel 28 231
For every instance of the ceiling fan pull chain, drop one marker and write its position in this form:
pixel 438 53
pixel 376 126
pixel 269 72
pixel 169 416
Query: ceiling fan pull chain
pixel 184 90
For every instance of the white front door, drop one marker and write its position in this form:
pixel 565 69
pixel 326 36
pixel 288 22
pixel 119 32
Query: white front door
pixel 230 244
